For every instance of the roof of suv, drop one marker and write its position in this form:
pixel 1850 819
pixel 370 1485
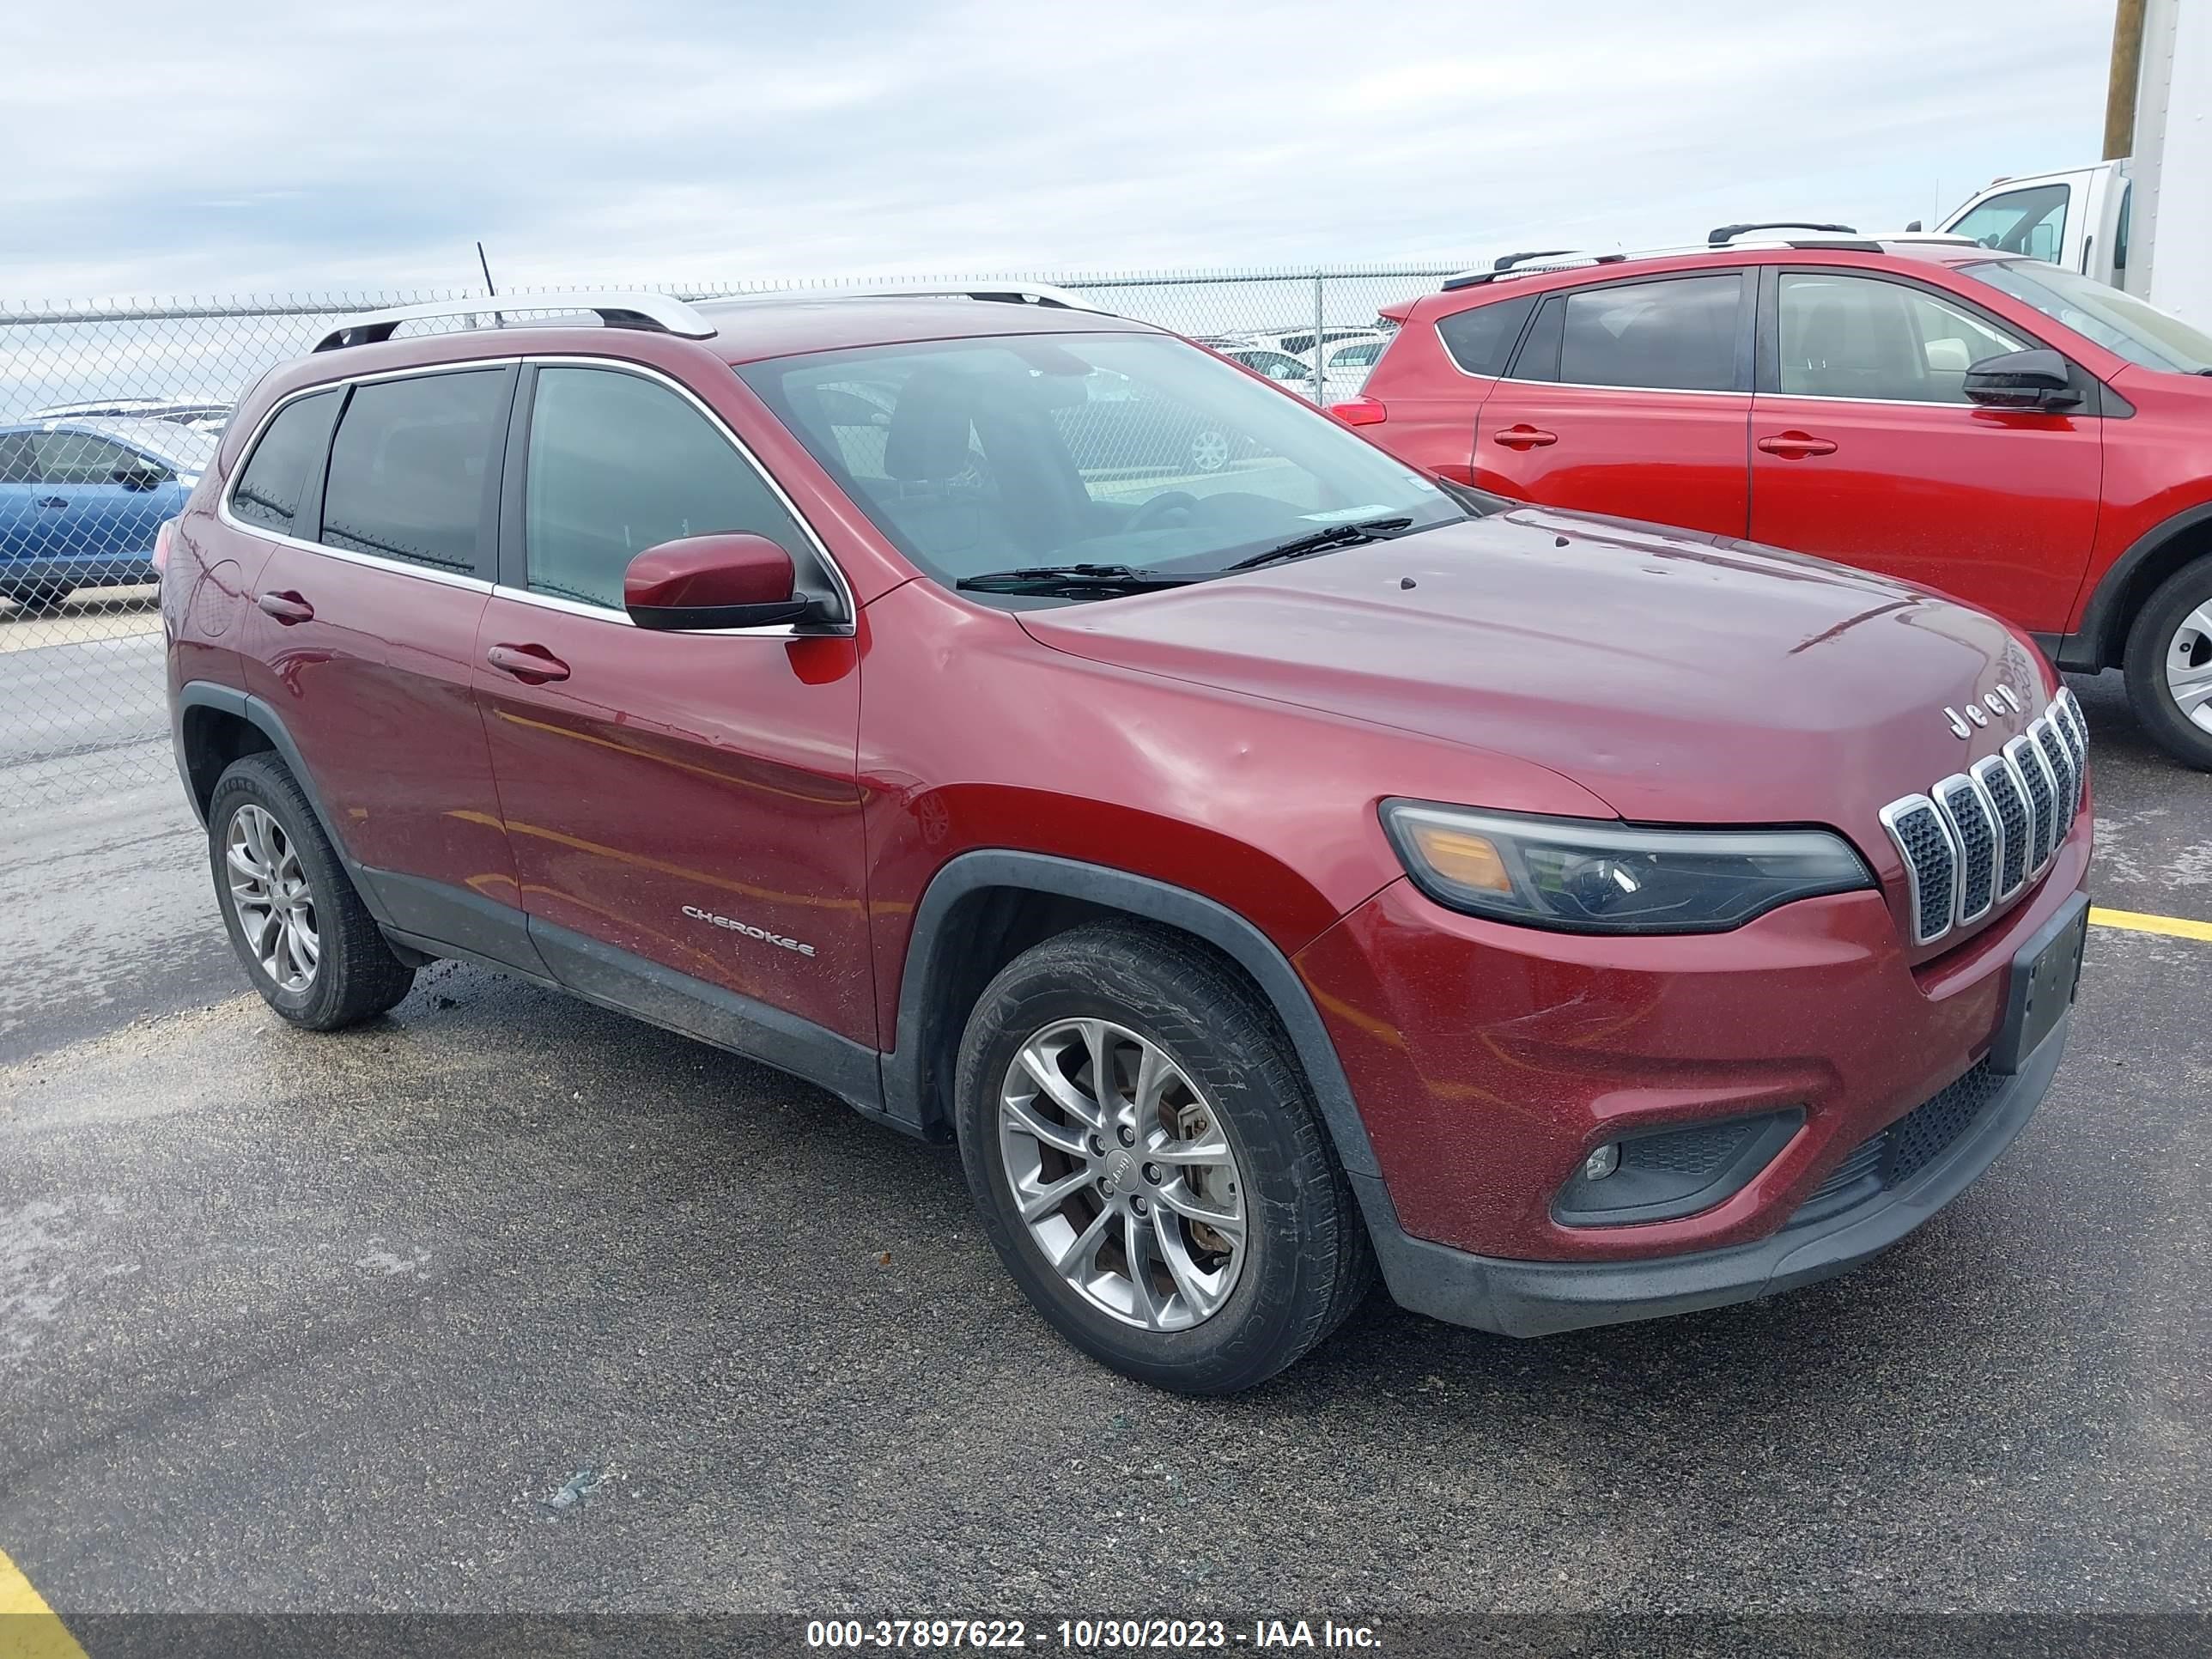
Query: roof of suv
pixel 746 328
pixel 779 326
pixel 1567 270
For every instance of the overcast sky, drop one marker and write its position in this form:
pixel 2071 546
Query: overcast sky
pixel 297 146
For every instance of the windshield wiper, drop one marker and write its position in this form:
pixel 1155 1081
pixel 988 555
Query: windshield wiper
pixel 1077 579
pixel 1320 541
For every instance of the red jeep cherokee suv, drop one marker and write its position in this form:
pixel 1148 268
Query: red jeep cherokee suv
pixel 1990 426
pixel 1266 874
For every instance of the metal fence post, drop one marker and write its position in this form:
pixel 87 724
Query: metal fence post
pixel 1319 329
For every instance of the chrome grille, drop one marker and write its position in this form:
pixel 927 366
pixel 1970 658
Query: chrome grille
pixel 2008 795
pixel 1931 859
pixel 1979 837
pixel 2058 749
pixel 2042 799
pixel 1974 822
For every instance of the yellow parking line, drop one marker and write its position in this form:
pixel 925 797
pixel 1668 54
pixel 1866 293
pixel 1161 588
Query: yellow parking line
pixel 29 1629
pixel 2135 923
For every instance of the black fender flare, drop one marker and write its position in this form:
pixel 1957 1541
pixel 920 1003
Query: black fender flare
pixel 2096 644
pixel 229 700
pixel 1152 901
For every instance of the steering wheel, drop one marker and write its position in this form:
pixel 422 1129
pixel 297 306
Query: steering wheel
pixel 1167 501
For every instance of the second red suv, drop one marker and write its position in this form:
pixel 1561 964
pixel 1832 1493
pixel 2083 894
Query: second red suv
pixel 1265 871
pixel 1990 426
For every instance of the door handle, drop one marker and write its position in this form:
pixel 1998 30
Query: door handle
pixel 287 607
pixel 1524 436
pixel 533 664
pixel 1795 445
pixel 53 503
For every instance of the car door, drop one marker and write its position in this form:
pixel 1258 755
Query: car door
pixel 1866 450
pixel 684 806
pixel 113 498
pixel 1630 397
pixel 19 504
pixel 384 534
pixel 83 508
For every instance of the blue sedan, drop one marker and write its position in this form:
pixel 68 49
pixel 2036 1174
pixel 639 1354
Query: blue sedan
pixel 81 499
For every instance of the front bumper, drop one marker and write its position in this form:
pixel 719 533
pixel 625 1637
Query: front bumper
pixel 1538 1298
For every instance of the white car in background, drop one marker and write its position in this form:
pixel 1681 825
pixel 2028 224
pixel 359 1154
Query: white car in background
pixel 1347 358
pixel 199 416
pixel 1346 364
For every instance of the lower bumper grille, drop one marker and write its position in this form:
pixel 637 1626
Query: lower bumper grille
pixel 1896 1154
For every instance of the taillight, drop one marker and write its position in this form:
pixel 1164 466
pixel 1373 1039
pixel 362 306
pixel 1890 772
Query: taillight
pixel 1360 411
pixel 161 538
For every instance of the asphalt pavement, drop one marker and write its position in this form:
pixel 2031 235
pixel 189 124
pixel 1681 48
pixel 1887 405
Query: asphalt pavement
pixel 505 1303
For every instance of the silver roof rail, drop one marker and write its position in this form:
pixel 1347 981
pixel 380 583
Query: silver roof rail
pixel 656 312
pixel 1015 293
pixel 1540 263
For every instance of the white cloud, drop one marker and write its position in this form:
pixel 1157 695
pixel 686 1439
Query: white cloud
pixel 272 147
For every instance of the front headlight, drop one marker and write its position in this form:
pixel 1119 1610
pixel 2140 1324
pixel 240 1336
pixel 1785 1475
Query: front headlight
pixel 1588 876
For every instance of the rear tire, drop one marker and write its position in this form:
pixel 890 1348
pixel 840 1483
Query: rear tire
pixel 37 598
pixel 301 931
pixel 1232 1133
pixel 2168 664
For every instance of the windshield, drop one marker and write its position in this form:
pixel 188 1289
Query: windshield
pixel 1136 450
pixel 2120 323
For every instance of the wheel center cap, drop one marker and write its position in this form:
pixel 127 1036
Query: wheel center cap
pixel 1120 1164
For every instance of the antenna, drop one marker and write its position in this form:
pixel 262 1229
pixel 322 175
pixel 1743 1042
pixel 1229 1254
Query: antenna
pixel 498 318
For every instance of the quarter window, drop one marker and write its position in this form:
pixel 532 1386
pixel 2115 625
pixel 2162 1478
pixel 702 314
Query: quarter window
pixel 619 463
pixel 1679 335
pixel 1860 336
pixel 410 469
pixel 275 476
pixel 1481 338
pixel 18 465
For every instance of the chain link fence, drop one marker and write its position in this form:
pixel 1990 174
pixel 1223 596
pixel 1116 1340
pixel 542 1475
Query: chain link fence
pixel 109 413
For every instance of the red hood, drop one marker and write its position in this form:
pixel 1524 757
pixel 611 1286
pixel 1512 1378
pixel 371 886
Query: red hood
pixel 1679 678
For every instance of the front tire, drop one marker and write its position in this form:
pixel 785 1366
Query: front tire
pixel 301 931
pixel 2168 664
pixel 1187 1223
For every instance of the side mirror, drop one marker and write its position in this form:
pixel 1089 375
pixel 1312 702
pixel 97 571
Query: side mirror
pixel 2035 379
pixel 715 581
pixel 140 478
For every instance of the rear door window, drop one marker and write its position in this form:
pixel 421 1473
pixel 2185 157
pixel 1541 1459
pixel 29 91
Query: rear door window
pixel 412 473
pixel 1681 334
pixel 275 476
pixel 18 463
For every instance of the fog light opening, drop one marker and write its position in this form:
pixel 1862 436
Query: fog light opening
pixel 1603 1162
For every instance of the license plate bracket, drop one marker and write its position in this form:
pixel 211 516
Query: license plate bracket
pixel 2044 973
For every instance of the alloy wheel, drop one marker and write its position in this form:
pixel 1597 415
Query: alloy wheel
pixel 272 899
pixel 2189 666
pixel 1123 1174
pixel 1209 450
